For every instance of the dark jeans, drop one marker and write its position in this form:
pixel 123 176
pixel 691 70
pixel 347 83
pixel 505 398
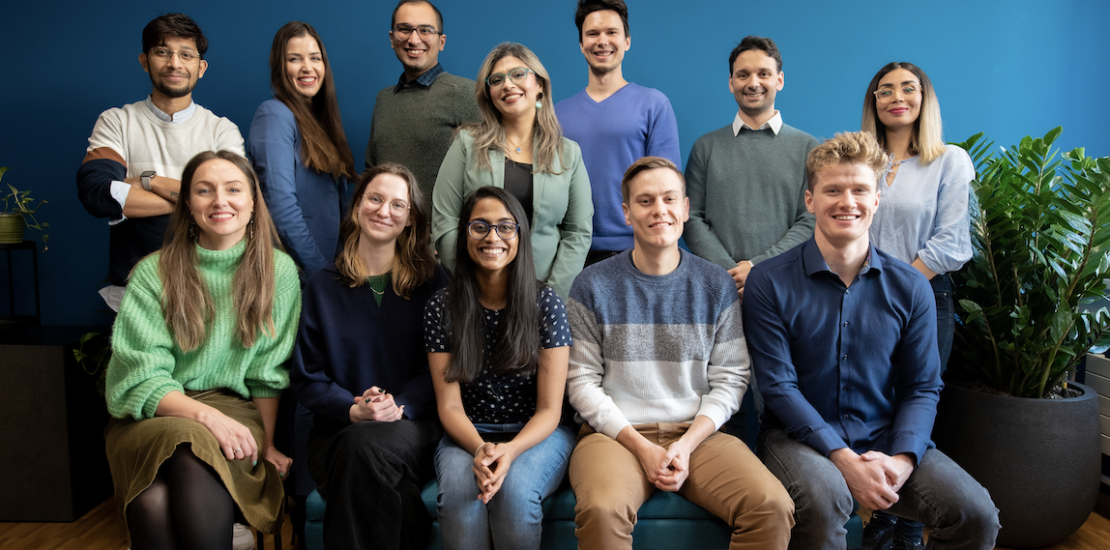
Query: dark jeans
pixel 938 493
pixel 371 474
pixel 946 317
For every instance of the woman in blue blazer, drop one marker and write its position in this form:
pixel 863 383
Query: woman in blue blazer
pixel 299 150
pixel 519 146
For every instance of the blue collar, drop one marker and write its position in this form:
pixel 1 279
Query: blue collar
pixel 815 263
pixel 424 81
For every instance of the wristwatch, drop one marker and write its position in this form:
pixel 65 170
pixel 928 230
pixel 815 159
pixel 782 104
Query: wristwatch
pixel 145 178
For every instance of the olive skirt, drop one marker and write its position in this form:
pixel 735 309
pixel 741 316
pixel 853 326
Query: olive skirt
pixel 137 449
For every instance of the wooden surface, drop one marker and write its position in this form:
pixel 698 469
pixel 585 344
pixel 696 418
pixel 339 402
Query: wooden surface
pixel 101 529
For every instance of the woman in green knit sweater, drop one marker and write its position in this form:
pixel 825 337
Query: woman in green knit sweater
pixel 197 367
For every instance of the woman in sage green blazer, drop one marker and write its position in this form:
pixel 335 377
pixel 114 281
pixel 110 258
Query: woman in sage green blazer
pixel 519 146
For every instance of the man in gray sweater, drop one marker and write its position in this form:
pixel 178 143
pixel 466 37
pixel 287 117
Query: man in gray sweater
pixel 414 120
pixel 746 181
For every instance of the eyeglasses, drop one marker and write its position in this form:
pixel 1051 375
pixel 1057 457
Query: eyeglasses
pixel 887 94
pixel 396 208
pixel 517 75
pixel 165 54
pixel 402 32
pixel 478 229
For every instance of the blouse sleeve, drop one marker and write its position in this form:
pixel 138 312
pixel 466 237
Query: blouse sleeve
pixel 437 332
pixel 554 329
pixel 949 247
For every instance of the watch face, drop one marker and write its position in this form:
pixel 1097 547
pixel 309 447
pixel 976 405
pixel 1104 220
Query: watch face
pixel 148 174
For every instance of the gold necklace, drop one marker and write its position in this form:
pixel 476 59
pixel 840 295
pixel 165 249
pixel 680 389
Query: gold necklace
pixel 515 145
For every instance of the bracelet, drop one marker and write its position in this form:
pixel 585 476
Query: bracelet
pixel 476 451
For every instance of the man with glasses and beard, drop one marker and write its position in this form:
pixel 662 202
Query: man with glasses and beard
pixel 136 153
pixel 414 121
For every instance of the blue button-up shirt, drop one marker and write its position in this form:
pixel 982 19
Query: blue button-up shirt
pixel 423 81
pixel 845 366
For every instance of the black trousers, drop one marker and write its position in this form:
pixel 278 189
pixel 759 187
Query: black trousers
pixel 371 474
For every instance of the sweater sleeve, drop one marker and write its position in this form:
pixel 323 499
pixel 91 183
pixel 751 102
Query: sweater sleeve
pixel 268 374
pixel 274 154
pixel 104 163
pixel 698 233
pixel 662 138
pixel 576 228
pixel 228 137
pixel 447 201
pixel 312 357
pixel 728 372
pixel 587 368
pixel 140 372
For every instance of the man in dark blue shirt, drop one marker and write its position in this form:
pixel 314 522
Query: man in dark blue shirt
pixel 842 339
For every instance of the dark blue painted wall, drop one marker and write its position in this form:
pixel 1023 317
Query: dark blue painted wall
pixel 1008 68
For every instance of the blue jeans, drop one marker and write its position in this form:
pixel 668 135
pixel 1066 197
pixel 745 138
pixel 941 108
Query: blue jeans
pixel 946 317
pixel 938 493
pixel 513 518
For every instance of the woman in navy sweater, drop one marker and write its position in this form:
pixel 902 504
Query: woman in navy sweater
pixel 299 150
pixel 359 365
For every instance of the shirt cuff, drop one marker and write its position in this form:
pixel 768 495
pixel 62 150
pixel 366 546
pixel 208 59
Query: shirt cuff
pixel 119 192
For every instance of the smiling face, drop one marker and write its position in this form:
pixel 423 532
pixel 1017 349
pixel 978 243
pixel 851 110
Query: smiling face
pixel 417 53
pixel 172 77
pixel 656 209
pixel 221 203
pixel 491 254
pixel 514 100
pixel 304 65
pixel 903 106
pixel 843 200
pixel 384 211
pixel 754 81
pixel 603 41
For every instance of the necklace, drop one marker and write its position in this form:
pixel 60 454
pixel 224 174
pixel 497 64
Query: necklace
pixel 515 145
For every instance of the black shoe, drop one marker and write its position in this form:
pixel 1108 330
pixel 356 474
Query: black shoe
pixel 878 533
pixel 906 544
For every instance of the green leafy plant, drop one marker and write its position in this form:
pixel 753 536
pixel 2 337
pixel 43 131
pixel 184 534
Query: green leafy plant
pixel 1041 234
pixel 20 202
pixel 93 352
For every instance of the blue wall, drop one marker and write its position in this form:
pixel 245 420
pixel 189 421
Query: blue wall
pixel 1008 68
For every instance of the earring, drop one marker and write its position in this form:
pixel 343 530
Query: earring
pixel 539 104
pixel 251 224
pixel 193 230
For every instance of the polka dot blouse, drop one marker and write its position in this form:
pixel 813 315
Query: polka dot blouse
pixel 492 398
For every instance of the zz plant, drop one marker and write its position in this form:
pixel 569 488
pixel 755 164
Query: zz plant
pixel 1041 235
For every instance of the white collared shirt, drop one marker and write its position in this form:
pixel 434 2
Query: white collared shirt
pixel 775 124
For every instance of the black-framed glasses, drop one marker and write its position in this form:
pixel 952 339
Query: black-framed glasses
pixel 478 229
pixel 186 55
pixel 517 75
pixel 887 94
pixel 402 32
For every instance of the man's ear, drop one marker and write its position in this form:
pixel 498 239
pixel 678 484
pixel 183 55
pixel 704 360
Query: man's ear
pixel 627 217
pixel 144 62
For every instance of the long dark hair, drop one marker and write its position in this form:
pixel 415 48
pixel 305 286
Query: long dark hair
pixel 323 144
pixel 413 264
pixel 516 347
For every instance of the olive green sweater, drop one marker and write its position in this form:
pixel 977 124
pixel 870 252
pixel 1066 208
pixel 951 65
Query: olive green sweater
pixel 147 363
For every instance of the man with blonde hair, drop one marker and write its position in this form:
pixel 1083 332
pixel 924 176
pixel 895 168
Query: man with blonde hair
pixel 843 342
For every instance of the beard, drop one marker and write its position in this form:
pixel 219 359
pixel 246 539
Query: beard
pixel 170 92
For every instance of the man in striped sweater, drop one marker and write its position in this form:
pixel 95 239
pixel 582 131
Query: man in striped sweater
pixel 659 363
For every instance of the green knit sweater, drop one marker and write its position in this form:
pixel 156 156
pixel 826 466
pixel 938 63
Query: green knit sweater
pixel 416 126
pixel 747 194
pixel 147 363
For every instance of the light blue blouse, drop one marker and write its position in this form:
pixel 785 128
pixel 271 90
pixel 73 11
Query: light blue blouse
pixel 924 213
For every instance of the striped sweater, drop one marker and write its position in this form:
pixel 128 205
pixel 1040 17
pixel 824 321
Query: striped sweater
pixel 651 348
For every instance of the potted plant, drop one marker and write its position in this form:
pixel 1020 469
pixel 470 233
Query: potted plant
pixel 1041 234
pixel 19 211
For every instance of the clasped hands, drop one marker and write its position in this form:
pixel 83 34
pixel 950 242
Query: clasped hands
pixel 668 468
pixel 491 465
pixel 874 478
pixel 375 404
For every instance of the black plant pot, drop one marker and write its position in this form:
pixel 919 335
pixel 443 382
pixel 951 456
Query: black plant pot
pixel 1039 458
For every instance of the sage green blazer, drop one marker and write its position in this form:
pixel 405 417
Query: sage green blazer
pixel 562 209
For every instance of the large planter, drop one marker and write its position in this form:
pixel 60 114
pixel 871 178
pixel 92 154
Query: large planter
pixel 1039 458
pixel 11 228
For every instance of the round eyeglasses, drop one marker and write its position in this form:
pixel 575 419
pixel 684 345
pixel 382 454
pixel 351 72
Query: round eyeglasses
pixel 887 94
pixel 517 75
pixel 396 208
pixel 478 229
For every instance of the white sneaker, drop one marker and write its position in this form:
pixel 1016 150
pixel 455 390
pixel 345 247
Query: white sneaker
pixel 242 537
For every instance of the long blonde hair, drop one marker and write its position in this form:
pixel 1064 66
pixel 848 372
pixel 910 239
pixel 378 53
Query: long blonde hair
pixel 490 133
pixel 413 262
pixel 187 305
pixel 927 140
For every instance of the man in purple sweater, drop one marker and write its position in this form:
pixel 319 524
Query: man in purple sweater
pixel 615 121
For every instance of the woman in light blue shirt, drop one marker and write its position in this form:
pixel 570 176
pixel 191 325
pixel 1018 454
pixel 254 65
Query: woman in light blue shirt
pixel 922 217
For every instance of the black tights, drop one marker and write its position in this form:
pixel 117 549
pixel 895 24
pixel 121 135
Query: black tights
pixel 186 507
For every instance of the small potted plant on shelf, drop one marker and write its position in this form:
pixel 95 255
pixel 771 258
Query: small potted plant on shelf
pixel 1040 229
pixel 19 211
